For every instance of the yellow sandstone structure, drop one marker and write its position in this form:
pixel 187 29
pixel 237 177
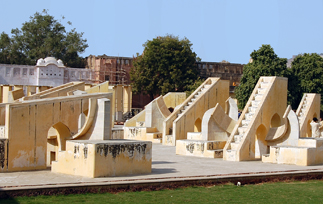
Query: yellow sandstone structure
pixel 65 121
pixel 264 109
pixel 293 142
pixel 188 116
pixel 217 125
pixel 148 124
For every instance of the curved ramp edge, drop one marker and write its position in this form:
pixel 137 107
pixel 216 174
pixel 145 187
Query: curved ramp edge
pixel 89 120
pixel 279 132
pixel 222 120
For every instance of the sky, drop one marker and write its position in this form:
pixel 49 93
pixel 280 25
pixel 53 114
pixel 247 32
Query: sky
pixel 218 29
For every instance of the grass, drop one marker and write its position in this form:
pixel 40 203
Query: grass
pixel 281 192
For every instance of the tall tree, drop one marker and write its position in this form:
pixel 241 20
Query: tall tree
pixel 40 37
pixel 166 64
pixel 307 77
pixel 264 63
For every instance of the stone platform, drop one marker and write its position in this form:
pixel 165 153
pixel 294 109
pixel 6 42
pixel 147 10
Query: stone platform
pixel 104 158
pixel 167 167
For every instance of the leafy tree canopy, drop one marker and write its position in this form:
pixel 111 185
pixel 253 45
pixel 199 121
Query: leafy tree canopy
pixel 167 64
pixel 40 37
pixel 307 76
pixel 264 63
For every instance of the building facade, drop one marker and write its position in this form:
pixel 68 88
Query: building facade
pixel 47 72
pixel 116 70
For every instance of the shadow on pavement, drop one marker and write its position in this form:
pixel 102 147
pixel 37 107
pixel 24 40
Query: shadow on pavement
pixel 162 162
pixel 163 171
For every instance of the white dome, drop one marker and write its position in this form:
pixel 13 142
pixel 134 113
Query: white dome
pixel 40 62
pixel 50 60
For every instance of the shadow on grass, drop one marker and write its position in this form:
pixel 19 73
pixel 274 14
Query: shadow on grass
pixel 8 200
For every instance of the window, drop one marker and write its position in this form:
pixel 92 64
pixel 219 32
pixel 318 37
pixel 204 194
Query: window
pixel 16 71
pixel 31 71
pixel 8 71
pixel 24 71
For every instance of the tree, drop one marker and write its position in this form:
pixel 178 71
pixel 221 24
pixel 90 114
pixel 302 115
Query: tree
pixel 167 64
pixel 40 37
pixel 264 63
pixel 306 76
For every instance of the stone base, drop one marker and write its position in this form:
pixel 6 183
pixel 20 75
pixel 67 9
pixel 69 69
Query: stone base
pixel 104 158
pixel 143 134
pixel 298 155
pixel 200 148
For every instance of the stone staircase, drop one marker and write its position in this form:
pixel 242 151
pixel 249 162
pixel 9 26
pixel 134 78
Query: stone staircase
pixel 153 135
pixel 247 118
pixel 303 108
pixel 186 106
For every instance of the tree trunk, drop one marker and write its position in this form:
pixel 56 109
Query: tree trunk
pixel 151 96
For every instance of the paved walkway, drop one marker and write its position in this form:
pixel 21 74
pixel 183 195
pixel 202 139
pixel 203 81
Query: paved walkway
pixel 166 165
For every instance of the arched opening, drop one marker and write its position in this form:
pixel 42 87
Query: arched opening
pixel 56 141
pixel 260 142
pixel 275 121
pixel 197 125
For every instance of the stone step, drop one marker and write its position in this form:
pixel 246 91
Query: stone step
pixel 252 109
pixel 231 155
pixel 264 84
pixel 261 90
pixel 213 145
pixel 186 107
pixel 218 153
pixel 190 103
pixel 154 135
pixel 242 130
pixel 255 103
pixel 248 116
pixel 238 138
pixel 245 122
pixel 258 97
pixel 158 140
pixel 234 145
pixel 206 86
pixel 151 129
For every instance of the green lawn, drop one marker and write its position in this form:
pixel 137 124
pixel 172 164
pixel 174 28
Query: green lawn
pixel 281 192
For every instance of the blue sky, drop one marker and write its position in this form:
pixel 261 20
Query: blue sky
pixel 219 30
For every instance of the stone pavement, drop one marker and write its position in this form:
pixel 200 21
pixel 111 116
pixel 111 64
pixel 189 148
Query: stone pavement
pixel 166 166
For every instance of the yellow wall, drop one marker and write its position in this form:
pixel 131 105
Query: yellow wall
pixel 104 158
pixel 28 143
